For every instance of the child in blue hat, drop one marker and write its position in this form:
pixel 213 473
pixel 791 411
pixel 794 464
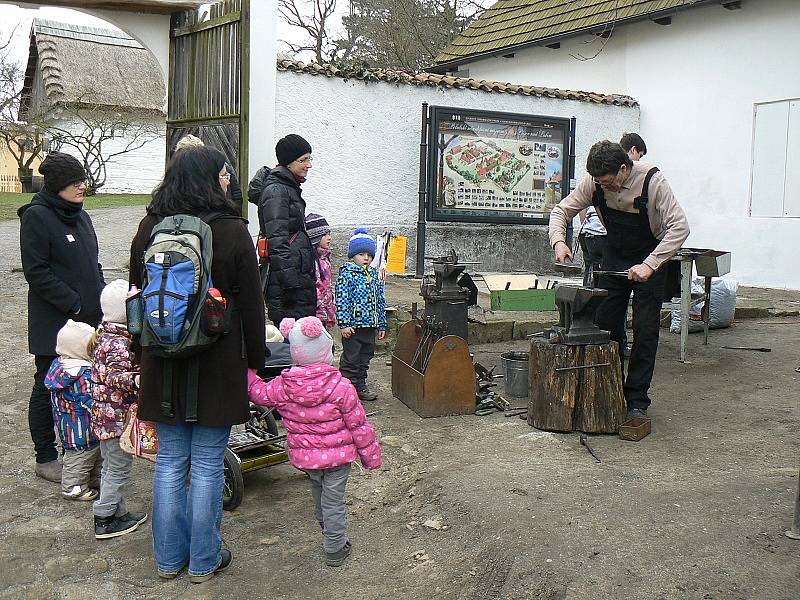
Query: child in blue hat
pixel 360 311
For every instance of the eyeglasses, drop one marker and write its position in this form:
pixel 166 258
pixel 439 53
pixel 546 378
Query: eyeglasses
pixel 80 183
pixel 305 161
pixel 608 179
pixel 226 177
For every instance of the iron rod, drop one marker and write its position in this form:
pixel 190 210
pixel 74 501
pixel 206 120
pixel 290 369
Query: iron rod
pixel 583 367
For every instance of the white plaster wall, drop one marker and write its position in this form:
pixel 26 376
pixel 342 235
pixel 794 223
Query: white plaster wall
pixel 263 49
pixel 697 81
pixel 365 139
pixel 135 172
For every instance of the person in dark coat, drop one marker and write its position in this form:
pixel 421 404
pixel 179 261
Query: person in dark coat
pixel 291 285
pixel 186 521
pixel 60 261
pixel 234 191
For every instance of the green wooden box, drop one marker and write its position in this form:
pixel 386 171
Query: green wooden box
pixel 539 300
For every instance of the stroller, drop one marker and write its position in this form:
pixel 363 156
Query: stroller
pixel 258 444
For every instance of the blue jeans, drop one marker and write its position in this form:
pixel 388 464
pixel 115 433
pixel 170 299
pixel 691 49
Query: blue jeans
pixel 186 522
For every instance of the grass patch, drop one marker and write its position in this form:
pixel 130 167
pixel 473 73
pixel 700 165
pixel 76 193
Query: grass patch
pixel 10 202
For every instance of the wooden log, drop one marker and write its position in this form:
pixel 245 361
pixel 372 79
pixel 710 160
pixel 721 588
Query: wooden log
pixel 551 393
pixel 600 404
pixel 578 399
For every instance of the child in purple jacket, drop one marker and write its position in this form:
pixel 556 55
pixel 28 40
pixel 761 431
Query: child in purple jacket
pixel 326 426
pixel 70 383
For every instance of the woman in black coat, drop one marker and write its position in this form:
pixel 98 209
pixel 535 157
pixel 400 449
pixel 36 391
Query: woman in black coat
pixel 290 290
pixel 60 261
pixel 186 522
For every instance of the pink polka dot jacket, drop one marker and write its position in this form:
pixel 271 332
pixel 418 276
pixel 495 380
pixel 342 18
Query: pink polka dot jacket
pixel 325 423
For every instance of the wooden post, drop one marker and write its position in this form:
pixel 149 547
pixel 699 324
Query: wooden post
pixel 580 396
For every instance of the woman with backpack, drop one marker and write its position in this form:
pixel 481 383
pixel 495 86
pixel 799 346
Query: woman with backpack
pixel 291 285
pixel 194 401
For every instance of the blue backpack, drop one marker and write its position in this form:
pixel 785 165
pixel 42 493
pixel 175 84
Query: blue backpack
pixel 180 318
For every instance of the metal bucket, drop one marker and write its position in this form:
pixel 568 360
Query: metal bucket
pixel 515 367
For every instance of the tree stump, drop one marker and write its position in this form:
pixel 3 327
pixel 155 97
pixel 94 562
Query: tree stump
pixel 586 399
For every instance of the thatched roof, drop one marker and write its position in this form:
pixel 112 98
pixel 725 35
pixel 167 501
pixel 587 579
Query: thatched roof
pixel 89 65
pixel 145 6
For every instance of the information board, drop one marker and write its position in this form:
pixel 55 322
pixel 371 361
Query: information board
pixel 493 167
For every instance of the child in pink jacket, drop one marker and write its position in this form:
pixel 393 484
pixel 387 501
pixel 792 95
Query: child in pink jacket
pixel 325 424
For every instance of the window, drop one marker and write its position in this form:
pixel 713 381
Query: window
pixel 775 175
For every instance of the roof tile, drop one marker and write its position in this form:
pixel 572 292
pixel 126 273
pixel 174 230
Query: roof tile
pixel 450 81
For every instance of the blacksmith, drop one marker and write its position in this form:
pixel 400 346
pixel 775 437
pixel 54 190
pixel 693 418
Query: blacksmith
pixel 646 227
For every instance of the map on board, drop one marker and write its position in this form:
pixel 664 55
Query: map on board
pixel 480 160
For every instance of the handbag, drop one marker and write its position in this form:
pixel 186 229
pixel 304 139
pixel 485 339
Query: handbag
pixel 138 437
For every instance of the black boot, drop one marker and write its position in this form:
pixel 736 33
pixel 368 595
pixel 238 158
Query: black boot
pixel 110 527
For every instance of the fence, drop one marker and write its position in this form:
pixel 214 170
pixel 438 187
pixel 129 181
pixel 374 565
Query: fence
pixel 10 183
pixel 209 68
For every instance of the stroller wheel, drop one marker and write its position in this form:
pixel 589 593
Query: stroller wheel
pixel 234 482
pixel 262 421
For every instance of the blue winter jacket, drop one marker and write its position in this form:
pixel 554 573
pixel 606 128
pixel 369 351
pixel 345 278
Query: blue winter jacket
pixel 359 298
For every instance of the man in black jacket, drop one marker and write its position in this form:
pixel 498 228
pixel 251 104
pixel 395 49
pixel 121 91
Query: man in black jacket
pixel 60 261
pixel 290 290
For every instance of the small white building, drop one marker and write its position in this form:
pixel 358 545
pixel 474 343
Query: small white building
pixel 718 86
pixel 74 71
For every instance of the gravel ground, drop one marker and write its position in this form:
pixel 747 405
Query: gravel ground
pixel 696 510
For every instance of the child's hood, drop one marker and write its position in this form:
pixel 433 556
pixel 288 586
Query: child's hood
pixel 311 385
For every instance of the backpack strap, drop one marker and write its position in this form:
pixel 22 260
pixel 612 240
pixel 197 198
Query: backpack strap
pixel 167 405
pixel 641 201
pixel 192 389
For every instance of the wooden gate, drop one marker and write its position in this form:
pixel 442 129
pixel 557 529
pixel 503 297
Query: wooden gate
pixel 209 66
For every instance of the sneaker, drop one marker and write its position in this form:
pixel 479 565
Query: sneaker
pixel 80 492
pixel 634 413
pixel 110 527
pixel 51 471
pixel 136 517
pixel 365 394
pixel 335 559
pixel 225 561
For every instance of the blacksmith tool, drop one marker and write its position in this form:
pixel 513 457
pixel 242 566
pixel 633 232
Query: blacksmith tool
pixel 582 367
pixel 752 348
pixel 585 443
pixel 576 308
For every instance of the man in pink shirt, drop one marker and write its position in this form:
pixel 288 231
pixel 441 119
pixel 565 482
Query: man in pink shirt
pixel 645 227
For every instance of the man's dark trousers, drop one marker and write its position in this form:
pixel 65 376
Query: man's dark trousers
pixel 357 351
pixel 612 316
pixel 40 414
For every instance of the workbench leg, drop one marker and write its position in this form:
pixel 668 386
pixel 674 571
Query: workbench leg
pixel 686 294
pixel 794 532
pixel 707 310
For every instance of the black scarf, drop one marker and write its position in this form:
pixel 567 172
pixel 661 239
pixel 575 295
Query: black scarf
pixel 68 212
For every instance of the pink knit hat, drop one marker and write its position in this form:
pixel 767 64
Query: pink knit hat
pixel 309 343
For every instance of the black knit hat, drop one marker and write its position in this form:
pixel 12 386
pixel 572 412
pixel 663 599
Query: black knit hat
pixel 290 148
pixel 316 227
pixel 60 170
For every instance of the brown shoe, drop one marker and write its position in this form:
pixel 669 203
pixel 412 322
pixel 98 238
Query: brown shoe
pixel 51 471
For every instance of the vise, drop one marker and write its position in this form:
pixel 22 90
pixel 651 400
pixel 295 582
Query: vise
pixel 576 308
pixel 448 293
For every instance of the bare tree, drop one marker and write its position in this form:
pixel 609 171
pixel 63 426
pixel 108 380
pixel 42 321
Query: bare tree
pixel 23 140
pixel 314 18
pixel 89 128
pixel 404 34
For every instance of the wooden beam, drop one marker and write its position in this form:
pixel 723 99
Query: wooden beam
pixel 164 7
pixel 210 24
